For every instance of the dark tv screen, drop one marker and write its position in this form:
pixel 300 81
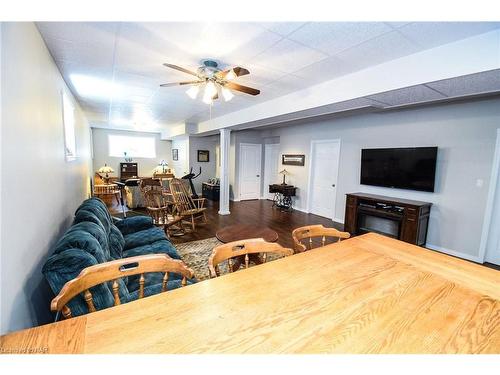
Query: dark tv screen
pixel 403 168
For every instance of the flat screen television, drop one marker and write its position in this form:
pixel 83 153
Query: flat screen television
pixel 411 168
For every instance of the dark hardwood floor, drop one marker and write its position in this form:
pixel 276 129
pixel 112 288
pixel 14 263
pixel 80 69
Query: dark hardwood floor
pixel 255 212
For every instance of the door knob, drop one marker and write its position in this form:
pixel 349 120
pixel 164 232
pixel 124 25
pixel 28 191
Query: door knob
pixel 333 185
pixel 258 175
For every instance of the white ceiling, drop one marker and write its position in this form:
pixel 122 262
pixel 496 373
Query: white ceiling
pixel 282 58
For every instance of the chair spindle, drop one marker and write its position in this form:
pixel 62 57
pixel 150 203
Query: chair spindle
pixel 115 292
pixel 141 286
pixel 246 260
pixel 229 265
pixel 66 312
pixel 184 281
pixel 323 241
pixel 88 298
pixel 264 258
pixel 164 284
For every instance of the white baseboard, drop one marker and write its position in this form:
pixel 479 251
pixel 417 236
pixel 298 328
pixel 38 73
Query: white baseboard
pixel 457 254
pixel 235 199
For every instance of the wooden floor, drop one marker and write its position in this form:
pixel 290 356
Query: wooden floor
pixel 257 212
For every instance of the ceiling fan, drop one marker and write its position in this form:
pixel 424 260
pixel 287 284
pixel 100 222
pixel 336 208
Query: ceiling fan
pixel 214 79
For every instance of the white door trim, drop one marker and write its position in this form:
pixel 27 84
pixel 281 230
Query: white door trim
pixel 240 169
pixel 266 180
pixel 492 192
pixel 309 182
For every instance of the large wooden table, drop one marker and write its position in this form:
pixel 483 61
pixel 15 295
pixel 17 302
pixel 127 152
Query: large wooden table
pixel 368 294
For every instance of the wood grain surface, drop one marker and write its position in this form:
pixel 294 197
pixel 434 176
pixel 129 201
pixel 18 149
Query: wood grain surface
pixel 368 294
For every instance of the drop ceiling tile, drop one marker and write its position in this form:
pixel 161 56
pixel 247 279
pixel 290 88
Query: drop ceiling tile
pixel 288 56
pixel 470 84
pixel 397 25
pixel 282 28
pixel 89 55
pixel 432 34
pixel 407 95
pixel 334 37
pixel 327 69
pixel 86 33
pixel 378 50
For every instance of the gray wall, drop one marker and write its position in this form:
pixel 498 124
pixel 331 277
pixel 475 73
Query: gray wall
pixel 208 170
pixel 181 166
pixel 145 166
pixel 40 190
pixel 465 134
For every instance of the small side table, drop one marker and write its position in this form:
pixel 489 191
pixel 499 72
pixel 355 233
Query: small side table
pixel 283 194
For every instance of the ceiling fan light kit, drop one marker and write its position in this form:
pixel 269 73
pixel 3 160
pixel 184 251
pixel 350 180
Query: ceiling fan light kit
pixel 214 80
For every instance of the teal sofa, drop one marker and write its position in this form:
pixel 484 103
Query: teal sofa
pixel 95 237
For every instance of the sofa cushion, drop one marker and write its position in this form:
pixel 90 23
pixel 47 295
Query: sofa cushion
pixel 134 224
pixel 163 246
pixel 116 243
pixel 144 237
pixel 101 213
pixel 93 229
pixel 65 266
pixel 88 215
pixel 83 240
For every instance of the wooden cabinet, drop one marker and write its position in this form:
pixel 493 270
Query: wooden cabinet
pixel 404 219
pixel 128 170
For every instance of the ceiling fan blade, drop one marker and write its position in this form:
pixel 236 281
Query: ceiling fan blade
pixel 238 70
pixel 172 66
pixel 180 83
pixel 245 89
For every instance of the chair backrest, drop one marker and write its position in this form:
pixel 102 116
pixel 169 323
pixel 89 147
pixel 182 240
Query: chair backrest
pixel 157 206
pixel 98 180
pixel 314 231
pixel 148 183
pixel 114 270
pixel 180 195
pixel 242 248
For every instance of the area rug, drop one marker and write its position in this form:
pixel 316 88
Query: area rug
pixel 196 253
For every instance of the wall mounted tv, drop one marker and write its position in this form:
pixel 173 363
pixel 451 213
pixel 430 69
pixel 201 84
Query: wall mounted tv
pixel 403 168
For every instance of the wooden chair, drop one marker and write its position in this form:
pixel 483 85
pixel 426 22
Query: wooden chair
pixel 314 231
pixel 185 205
pixel 161 210
pixel 102 190
pixel 112 271
pixel 234 249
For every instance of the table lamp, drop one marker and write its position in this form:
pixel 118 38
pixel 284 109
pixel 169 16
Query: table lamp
pixel 285 173
pixel 162 168
pixel 106 170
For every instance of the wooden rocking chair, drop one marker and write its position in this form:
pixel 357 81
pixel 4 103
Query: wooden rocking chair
pixel 186 206
pixel 162 211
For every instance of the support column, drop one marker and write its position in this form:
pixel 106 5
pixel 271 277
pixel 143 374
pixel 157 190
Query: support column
pixel 225 136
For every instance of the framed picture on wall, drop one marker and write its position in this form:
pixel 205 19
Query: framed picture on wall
pixel 203 156
pixel 175 154
pixel 299 160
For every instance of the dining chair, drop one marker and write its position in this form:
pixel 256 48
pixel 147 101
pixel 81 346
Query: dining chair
pixel 230 250
pixel 185 205
pixel 311 232
pixel 113 271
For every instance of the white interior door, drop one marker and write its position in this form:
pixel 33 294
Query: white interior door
pixel 323 175
pixel 250 170
pixel 271 165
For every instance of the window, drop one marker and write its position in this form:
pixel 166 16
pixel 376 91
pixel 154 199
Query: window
pixel 135 147
pixel 69 128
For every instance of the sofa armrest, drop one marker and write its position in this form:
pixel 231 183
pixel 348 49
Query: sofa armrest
pixel 134 224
